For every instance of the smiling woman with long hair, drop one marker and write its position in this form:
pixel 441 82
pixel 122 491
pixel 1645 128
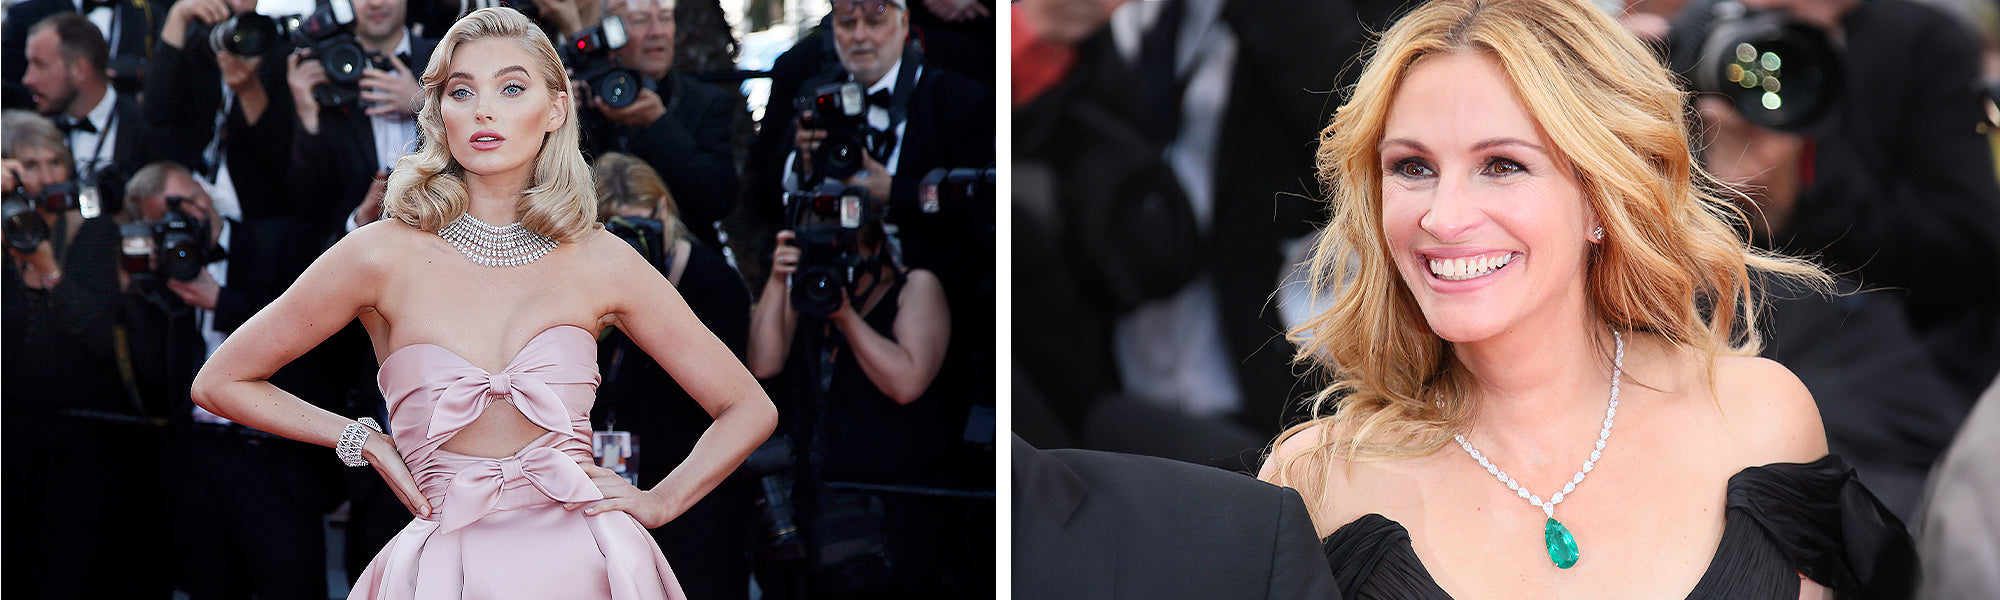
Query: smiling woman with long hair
pixel 487 340
pixel 1530 274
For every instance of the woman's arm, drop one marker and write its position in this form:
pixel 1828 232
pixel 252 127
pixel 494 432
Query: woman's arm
pixel 234 383
pixel 653 314
pixel 772 321
pixel 904 367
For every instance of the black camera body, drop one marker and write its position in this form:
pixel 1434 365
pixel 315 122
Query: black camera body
pixel 840 110
pixel 19 216
pixel 591 56
pixel 1777 71
pixel 647 235
pixel 826 223
pixel 176 245
pixel 327 35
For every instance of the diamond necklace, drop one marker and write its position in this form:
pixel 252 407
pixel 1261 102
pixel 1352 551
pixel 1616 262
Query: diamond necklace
pixel 1562 545
pixel 496 246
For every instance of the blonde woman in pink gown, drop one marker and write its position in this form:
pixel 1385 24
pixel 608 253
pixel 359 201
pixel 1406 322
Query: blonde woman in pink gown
pixel 487 339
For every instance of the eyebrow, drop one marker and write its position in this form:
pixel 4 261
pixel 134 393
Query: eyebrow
pixel 496 74
pixel 1485 144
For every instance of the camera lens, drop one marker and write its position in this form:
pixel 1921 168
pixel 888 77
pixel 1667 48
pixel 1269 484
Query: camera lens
pixel 343 62
pixel 619 88
pixel 247 34
pixel 816 291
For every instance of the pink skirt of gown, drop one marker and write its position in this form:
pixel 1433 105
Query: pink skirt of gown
pixel 498 528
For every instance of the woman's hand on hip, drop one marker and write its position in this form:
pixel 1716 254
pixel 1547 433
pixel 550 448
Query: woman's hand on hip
pixel 650 508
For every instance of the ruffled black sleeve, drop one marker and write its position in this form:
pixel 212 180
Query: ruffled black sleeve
pixel 1372 558
pixel 1828 526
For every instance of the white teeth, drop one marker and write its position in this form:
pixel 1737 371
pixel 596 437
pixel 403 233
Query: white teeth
pixel 1463 268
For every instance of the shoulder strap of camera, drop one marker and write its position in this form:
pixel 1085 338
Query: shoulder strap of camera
pixel 906 84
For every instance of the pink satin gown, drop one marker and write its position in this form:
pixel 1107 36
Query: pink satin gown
pixel 498 528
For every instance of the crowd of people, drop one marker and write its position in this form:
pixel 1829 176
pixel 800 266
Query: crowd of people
pixel 171 168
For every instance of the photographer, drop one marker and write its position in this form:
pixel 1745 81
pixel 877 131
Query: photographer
pixel 246 507
pixel 859 377
pixel 219 103
pixel 350 133
pixel 921 118
pixel 130 28
pixel 67 75
pixel 71 418
pixel 709 544
pixel 679 126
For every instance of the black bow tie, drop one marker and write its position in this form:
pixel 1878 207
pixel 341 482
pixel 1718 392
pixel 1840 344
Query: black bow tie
pixel 72 124
pixel 882 98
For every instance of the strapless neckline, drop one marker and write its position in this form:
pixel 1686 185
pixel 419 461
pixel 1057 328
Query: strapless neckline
pixel 510 360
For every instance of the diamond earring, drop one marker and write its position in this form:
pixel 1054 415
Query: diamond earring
pixel 1597 234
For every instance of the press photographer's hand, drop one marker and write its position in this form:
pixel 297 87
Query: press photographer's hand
pixel 806 140
pixel 393 93
pixel 640 114
pixel 784 259
pixel 873 176
pixel 209 12
pixel 199 293
pixel 301 75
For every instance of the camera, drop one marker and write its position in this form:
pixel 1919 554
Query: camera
pixel 956 190
pixel 590 56
pixel 841 110
pixel 826 222
pixel 246 35
pixel 646 235
pixel 1776 70
pixel 327 35
pixel 176 245
pixel 20 213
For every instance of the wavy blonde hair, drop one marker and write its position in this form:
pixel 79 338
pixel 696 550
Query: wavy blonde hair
pixel 1674 261
pixel 427 190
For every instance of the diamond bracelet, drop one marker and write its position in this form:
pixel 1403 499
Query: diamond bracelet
pixel 351 438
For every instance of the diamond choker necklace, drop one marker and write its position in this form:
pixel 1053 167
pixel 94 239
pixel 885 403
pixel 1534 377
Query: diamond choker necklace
pixel 1562 545
pixel 502 246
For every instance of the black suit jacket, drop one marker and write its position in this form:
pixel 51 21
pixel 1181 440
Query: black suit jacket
pixel 1100 525
pixel 334 168
pixel 183 92
pixel 689 146
pixel 1903 193
pixel 138 26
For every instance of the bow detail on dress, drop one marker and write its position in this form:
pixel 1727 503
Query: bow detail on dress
pixel 465 399
pixel 476 490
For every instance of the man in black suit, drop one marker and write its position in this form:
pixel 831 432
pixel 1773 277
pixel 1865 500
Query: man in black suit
pixel 133 27
pixel 1100 525
pixel 246 507
pixel 238 140
pixel 339 149
pixel 67 78
pixel 679 126
pixel 931 118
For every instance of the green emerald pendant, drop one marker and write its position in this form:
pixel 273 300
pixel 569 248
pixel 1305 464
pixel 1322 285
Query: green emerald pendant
pixel 1562 546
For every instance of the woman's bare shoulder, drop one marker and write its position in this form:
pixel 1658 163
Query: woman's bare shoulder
pixel 1769 411
pixel 1306 459
pixel 376 248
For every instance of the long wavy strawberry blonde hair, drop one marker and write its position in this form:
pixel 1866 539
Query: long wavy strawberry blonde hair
pixel 1673 263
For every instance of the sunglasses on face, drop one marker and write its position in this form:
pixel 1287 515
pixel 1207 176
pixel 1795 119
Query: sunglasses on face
pixel 843 8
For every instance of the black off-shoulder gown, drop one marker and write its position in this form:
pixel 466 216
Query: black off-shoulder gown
pixel 1782 520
